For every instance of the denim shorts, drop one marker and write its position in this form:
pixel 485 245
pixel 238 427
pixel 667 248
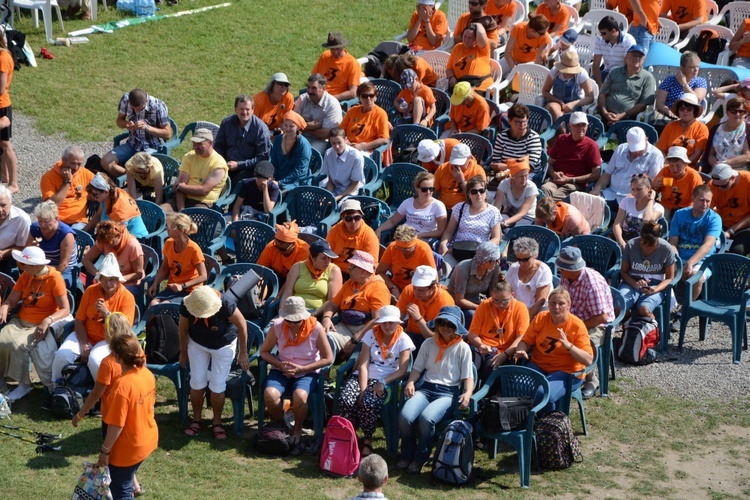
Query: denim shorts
pixel 125 151
pixel 307 382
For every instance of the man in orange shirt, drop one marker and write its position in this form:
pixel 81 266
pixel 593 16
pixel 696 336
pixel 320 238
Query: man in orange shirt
pixel 422 301
pixel 402 257
pixel 469 111
pixel 431 154
pixel 284 251
pixel 427 28
pixel 557 15
pixel 476 14
pixel 339 67
pixel 351 234
pixel 451 177
pixel 66 183
pixel 470 60
pixel 529 42
pixel 419 99
pixel 686 13
pixel 676 182
pixel 731 190
pixel 645 23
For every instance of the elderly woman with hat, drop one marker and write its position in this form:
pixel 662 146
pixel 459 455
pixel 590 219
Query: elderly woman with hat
pixel 568 87
pixel 291 152
pixel 211 327
pixel 516 195
pixel 685 81
pixel 316 279
pixel 366 124
pixel 258 196
pixel 422 300
pixel 444 365
pixel 357 303
pixel 284 251
pixel 41 292
pixel 423 212
pixel 55 238
pixel 402 257
pixel 472 279
pixel 384 358
pixel 350 234
pixel 302 350
pixel 115 238
pixel 145 173
pixel 115 204
pixel 730 139
pixel 98 301
pixel 343 166
pixel 271 103
pixel 685 130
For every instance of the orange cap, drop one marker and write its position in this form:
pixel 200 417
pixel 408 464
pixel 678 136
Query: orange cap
pixel 287 232
pixel 516 166
pixel 297 119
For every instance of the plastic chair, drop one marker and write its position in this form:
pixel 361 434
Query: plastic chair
pixel 606 354
pixel 662 311
pixel 309 206
pixel 211 226
pixel 372 178
pixel 84 241
pixel 269 287
pixel 156 224
pixel 387 91
pixel 570 394
pixel 584 46
pixel 594 131
pixel 438 60
pixel 309 238
pixel 734 13
pixel 165 148
pixel 409 136
pixel 549 242
pixel 481 147
pixel 151 262
pixel 531 80
pixel 722 31
pixel 376 211
pixel 255 339
pixel 248 238
pixel 173 371
pixel 600 253
pixel 224 202
pixel 316 163
pixel 171 172
pixel 619 131
pixel 190 128
pixel 399 180
pixel 213 270
pixel 442 110
pixel 540 120
pixel 515 381
pixel 669 32
pixel 45 6
pixel 724 298
pixel 6 285
pixel 589 23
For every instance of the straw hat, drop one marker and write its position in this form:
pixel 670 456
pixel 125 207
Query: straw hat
pixel 203 302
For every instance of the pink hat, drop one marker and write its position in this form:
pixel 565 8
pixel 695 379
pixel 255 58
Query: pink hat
pixel 362 260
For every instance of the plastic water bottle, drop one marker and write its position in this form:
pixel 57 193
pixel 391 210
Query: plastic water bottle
pixel 403 106
pixel 4 408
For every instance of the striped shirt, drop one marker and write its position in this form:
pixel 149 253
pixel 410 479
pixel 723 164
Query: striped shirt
pixel 508 147
pixel 51 246
pixel 155 114
pixel 613 55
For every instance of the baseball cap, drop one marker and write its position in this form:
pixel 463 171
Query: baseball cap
pixel 350 205
pixel 722 172
pixel 202 134
pixel 636 139
pixel 460 154
pixel 264 169
pixel 460 91
pixel 578 117
pixel 637 48
pixel 424 276
pixel 408 77
pixel 322 246
pixel 427 150
pixel 570 36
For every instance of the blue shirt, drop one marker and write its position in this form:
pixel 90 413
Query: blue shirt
pixel 692 231
pixel 674 89
pixel 51 246
pixel 290 167
pixel 246 145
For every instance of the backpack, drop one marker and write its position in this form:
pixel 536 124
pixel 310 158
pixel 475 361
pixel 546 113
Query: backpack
pixel 453 462
pixel 501 414
pixel 75 386
pixel 162 340
pixel 273 439
pixel 16 41
pixel 373 68
pixel 557 446
pixel 708 45
pixel 638 342
pixel 339 455
pixel 409 154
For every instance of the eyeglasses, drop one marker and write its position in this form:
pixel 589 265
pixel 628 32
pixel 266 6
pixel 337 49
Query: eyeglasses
pixel 737 111
pixel 604 33
pixel 520 123
pixel 525 259
pixel 685 107
pixel 478 191
pixel 367 96
pixel 355 218
pixel 501 302
pixel 427 189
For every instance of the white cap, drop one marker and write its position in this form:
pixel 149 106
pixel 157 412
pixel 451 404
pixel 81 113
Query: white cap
pixel 424 275
pixel 722 172
pixel 636 139
pixel 427 150
pixel 678 152
pixel 460 154
pixel 351 205
pixel 389 314
pixel 578 117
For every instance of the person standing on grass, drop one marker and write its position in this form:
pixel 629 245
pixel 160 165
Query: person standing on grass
pixel 8 164
pixel 373 474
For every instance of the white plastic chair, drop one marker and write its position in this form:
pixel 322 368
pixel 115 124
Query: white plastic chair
pixel 722 31
pixel 598 4
pixel 46 7
pixel 497 78
pixel 455 9
pixel 531 78
pixel 438 60
pixel 669 32
pixel 584 46
pixel 712 11
pixel 737 12
pixel 575 19
pixel 590 20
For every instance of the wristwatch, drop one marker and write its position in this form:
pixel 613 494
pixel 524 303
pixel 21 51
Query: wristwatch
pixel 354 341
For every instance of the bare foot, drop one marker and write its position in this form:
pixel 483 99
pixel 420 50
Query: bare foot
pixel 13 189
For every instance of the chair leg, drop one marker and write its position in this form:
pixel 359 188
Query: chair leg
pixel 582 410
pixel 524 462
pixel 702 325
pixel 737 334
pixel 683 324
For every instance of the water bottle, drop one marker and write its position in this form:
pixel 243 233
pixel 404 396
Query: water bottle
pixel 4 408
pixel 403 106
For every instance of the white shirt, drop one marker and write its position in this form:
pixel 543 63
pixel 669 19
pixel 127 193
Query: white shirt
pixel 613 55
pixel 344 169
pixel 424 220
pixel 327 111
pixel 14 231
pixel 526 292
pixel 380 368
pixel 622 169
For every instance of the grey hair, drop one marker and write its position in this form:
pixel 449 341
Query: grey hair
pixel 73 151
pixel 46 210
pixel 373 471
pixel 4 191
pixel 526 245
pixel 317 78
pixel 487 252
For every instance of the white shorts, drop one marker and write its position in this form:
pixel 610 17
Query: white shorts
pixel 221 363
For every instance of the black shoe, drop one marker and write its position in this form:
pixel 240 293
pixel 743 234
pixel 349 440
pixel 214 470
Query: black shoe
pixel 589 390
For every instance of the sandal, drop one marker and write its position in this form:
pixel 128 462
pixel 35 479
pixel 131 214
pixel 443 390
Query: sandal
pixel 366 450
pixel 140 491
pixel 219 433
pixel 194 429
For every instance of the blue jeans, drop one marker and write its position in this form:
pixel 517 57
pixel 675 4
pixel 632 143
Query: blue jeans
pixel 122 481
pixel 125 151
pixel 642 35
pixel 419 417
pixel 68 277
pixel 634 299
pixel 557 381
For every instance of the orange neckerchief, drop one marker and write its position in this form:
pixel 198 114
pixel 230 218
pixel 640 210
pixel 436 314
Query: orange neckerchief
pixel 205 320
pixel 315 273
pixel 123 242
pixel 560 214
pixel 443 345
pixel 306 329
pixel 378 332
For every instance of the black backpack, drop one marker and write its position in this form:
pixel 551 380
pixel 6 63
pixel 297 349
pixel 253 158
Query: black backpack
pixel 70 394
pixel 375 59
pixel 162 340
pixel 502 414
pixel 557 445
pixel 273 439
pixel 409 154
pixel 708 45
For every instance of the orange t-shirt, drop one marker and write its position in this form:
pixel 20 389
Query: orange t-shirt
pixel 464 20
pixel 341 73
pixel 439 24
pixel 549 353
pixel 651 8
pixel 569 221
pixel 557 23
pixel 432 166
pixel 733 205
pixel 526 49
pixel 183 266
pixel 125 208
pixel 344 244
pixel 6 66
pixel 499 328
pixel 38 295
pixel 93 322
pixel 623 7
pixel 428 310
pixel 373 296
pixel 280 263
pixel 684 11
pixel 109 371
pixel 695 136
pixel 446 186
pixel 425 72
pixel 73 207
pixel 744 50
pixel 502 13
pixel 132 401
pixel 472 62
pixel 474 116
pixel 679 195
pixel 401 267
pixel 366 127
pixel 425 93
pixel 272 114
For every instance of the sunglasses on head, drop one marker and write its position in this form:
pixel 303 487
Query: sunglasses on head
pixel 478 191
pixel 427 189
pixel 356 218
pixel 638 176
pixel 367 96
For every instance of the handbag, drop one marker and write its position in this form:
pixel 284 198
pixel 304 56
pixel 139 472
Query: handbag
pixel 502 414
pixel 93 483
pixel 466 249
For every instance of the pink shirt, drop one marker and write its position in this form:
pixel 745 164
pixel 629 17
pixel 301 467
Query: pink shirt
pixel 303 354
pixel 131 251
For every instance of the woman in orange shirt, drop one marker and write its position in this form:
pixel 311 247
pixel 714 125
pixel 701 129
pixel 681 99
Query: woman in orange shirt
pixel 183 261
pixel 557 15
pixel 115 204
pixel 561 346
pixel 686 130
pixel 366 124
pixel 132 434
pixel 470 59
pixel 740 43
pixel 529 42
pixel 272 103
pixel 8 164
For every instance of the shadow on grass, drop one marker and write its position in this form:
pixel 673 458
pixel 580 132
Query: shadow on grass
pixel 79 445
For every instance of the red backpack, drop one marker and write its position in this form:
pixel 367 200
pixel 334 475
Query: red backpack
pixel 340 453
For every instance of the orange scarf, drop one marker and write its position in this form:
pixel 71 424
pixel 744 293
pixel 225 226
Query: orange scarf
pixel 560 214
pixel 306 329
pixel 378 332
pixel 314 272
pixel 443 345
pixel 123 242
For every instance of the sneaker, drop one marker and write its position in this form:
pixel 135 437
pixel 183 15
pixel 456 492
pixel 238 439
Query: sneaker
pixel 403 464
pixel 19 392
pixel 415 467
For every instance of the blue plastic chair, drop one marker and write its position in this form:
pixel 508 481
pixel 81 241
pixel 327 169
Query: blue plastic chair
pixel 224 202
pixel 151 262
pixel 372 178
pixel 549 242
pixel 255 339
pixel 724 298
pixel 156 224
pixel 6 286
pixel 606 354
pixel 409 136
pixel 376 211
pixel 387 91
pixel 540 119
pixel 443 107
pixel 619 131
pixel 570 394
pixel 84 241
pixel 600 253
pixel 211 226
pixel 595 130
pixel 316 163
pixel 190 128
pixel 248 238
pixel 309 206
pixel 662 311
pixel 171 168
pixel 213 270
pixel 399 180
pixel 481 147
pixel 515 381
pixel 165 148
pixel 269 287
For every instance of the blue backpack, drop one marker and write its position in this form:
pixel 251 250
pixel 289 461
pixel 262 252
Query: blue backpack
pixel 453 462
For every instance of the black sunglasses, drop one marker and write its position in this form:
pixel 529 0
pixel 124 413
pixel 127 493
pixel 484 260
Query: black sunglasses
pixel 355 218
pixel 525 259
pixel 478 191
pixel 367 96
pixel 429 189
